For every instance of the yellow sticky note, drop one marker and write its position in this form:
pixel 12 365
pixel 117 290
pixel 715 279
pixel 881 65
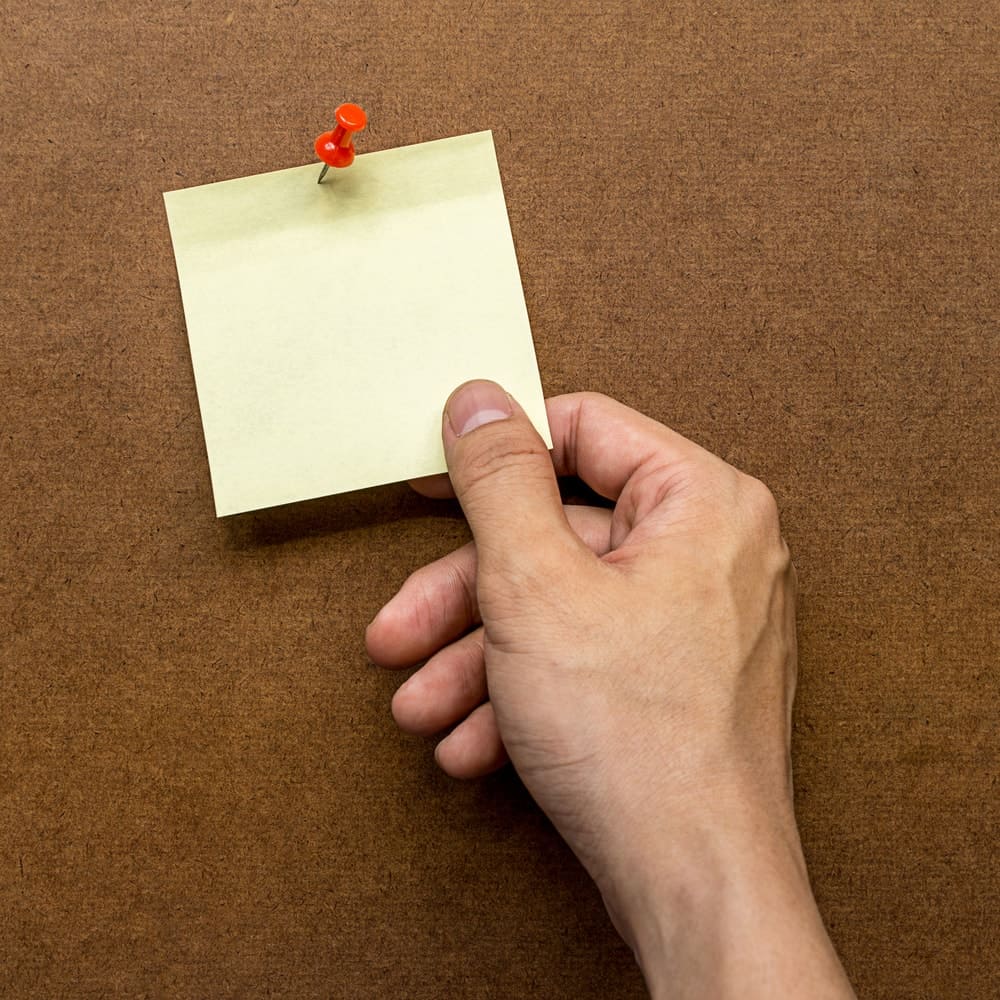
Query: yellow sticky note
pixel 329 322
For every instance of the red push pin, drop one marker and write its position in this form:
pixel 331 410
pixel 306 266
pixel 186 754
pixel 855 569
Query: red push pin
pixel 335 148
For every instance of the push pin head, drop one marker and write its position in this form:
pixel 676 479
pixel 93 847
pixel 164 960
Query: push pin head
pixel 336 147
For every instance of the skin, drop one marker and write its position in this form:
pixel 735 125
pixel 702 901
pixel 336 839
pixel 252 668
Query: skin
pixel 637 666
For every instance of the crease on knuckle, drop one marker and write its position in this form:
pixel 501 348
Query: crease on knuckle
pixel 465 583
pixel 485 464
pixel 470 674
pixel 427 604
pixel 650 485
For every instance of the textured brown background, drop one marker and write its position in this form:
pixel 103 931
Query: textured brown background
pixel 771 226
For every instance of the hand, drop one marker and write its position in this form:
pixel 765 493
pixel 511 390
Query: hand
pixel 636 665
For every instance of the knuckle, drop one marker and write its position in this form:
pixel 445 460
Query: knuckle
pixel 470 673
pixel 463 580
pixel 441 591
pixel 428 608
pixel 491 459
pixel 760 506
pixel 590 398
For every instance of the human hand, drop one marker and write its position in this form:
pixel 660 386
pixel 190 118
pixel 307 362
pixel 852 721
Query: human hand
pixel 636 665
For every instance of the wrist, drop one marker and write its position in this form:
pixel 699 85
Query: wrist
pixel 721 905
pixel 682 861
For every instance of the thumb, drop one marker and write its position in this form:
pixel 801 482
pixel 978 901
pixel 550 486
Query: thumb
pixel 503 477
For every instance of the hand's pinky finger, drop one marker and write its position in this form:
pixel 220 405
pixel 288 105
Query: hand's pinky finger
pixel 473 748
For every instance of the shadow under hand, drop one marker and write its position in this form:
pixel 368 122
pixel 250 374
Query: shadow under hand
pixel 575 492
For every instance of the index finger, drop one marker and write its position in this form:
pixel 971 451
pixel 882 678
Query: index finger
pixel 605 442
pixel 602 441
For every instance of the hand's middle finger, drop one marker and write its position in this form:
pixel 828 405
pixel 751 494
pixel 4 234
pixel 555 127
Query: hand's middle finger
pixel 445 689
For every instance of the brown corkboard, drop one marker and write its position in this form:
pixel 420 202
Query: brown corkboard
pixel 772 226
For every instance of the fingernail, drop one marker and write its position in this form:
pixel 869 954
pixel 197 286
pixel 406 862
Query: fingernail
pixel 477 403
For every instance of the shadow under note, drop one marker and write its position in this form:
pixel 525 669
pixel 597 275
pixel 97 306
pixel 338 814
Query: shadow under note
pixel 330 515
pixel 360 509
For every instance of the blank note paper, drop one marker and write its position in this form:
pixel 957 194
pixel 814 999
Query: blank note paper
pixel 329 322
